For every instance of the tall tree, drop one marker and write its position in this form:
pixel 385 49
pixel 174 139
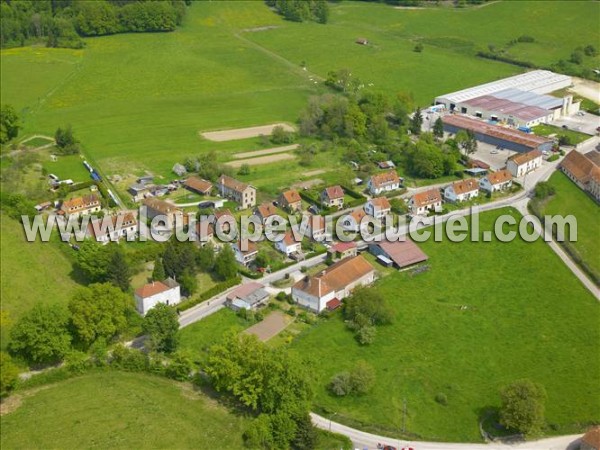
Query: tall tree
pixel 416 122
pixel 41 335
pixel 158 273
pixel 206 257
pixel 118 271
pixel 9 375
pixel 9 123
pixel 99 311
pixel 162 326
pixel 225 263
pixel 523 406
pixel 438 128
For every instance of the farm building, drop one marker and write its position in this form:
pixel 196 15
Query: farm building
pixel 519 100
pixel 497 135
pixel 198 185
pixel 521 164
pixel 401 253
pixel 584 171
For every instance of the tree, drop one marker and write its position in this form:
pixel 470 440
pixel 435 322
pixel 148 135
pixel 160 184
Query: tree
pixel 206 257
pixel 362 378
pixel 306 434
pixel 280 136
pixel 178 258
pixel 225 264
pixel 523 406
pixel 438 128
pixel 418 48
pixel 590 50
pixel 366 335
pixel 416 122
pixel 41 336
pixel 369 304
pixel 341 384
pixel 158 273
pixel 93 260
pixel 188 283
pixel 466 141
pixel 180 367
pixel 321 11
pixel 577 57
pixel 543 190
pixel 65 141
pixel 99 311
pixel 9 375
pixel 162 326
pixel 118 272
pixel 244 170
pixel 9 123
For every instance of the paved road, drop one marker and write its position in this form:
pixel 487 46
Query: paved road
pixel 362 440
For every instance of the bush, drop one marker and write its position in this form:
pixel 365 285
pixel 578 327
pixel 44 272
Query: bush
pixel 418 48
pixel 553 158
pixel 129 359
pixel 441 399
pixel 341 384
pixel 358 381
pixel 180 367
pixel 366 335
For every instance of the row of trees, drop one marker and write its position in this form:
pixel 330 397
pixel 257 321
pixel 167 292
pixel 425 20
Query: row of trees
pixel 61 23
pixel 301 10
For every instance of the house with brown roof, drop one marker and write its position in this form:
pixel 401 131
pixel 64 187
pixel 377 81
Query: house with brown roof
pixel 245 252
pixel 352 221
pixel 290 200
pixel 342 250
pixel 239 192
pixel 401 253
pixel 151 294
pixel 591 439
pixel 462 191
pixel 169 214
pixel 383 182
pixel 335 282
pixel 496 181
pixel 265 210
pixel 198 185
pixel 422 202
pixel 112 228
pixel 81 206
pixel 583 171
pixel 204 233
pixel 523 163
pixel 289 246
pixel 317 228
pixel 333 196
pixel 378 207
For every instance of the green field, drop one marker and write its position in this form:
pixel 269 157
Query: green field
pixel 131 411
pixel 547 130
pixel 569 199
pixel 31 273
pixel 526 316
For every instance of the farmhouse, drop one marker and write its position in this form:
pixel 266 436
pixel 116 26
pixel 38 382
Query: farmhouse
pixel 333 196
pixel 401 253
pixel 496 135
pixel 334 283
pixel 516 101
pixel 378 207
pixel 247 296
pixel 112 228
pixel 584 171
pixel 265 210
pixel 342 250
pixel 461 191
pixel 423 202
pixel 290 200
pixel 245 257
pixel 289 246
pixel 81 206
pixel 151 294
pixel 352 221
pixel 198 185
pixel 496 181
pixel 383 182
pixel 169 213
pixel 519 165
pixel 235 190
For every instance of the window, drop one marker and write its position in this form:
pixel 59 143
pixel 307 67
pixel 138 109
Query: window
pixel 463 110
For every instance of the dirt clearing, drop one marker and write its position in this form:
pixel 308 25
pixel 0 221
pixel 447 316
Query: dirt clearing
pixel 312 173
pixel 266 151
pixel 587 88
pixel 261 160
pixel 308 184
pixel 244 133
pixel 272 325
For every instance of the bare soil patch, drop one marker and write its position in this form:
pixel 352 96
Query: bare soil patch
pixel 261 160
pixel 267 151
pixel 312 173
pixel 308 184
pixel 243 133
pixel 587 88
pixel 272 325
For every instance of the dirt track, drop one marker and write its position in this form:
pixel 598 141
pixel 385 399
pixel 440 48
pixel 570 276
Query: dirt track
pixel 266 151
pixel 261 160
pixel 243 133
pixel 587 88
pixel 272 325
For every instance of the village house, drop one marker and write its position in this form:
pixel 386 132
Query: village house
pixel 151 294
pixel 591 439
pixel 289 246
pixel 462 191
pixel 204 233
pixel 584 171
pixel 290 200
pixel 248 296
pixel 239 192
pixel 523 163
pixel 342 250
pixel 265 210
pixel 223 219
pixel 245 257
pixel 317 229
pixel 333 196
pixel 496 181
pixel 333 284
pixel 383 182
pixel 112 228
pixel 400 254
pixel 352 221
pixel 170 214
pixel 138 191
pixel 81 206
pixel 421 203
pixel 378 207
pixel 198 185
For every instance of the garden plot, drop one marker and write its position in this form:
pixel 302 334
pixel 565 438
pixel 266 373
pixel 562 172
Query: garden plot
pixel 267 151
pixel 244 133
pixel 261 160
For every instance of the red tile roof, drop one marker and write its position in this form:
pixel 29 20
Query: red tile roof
pixel 333 304
pixel 592 437
pixel 198 184
pixel 291 196
pixel 80 203
pixel 245 290
pixel 580 167
pixel 266 210
pixel 381 203
pixel 403 253
pixel 429 197
pixel 161 206
pixel 524 158
pixel 118 222
pixel 385 178
pixel 499 177
pixel 464 186
pixel 334 192
pixel 232 183
pixel 341 247
pixel 150 289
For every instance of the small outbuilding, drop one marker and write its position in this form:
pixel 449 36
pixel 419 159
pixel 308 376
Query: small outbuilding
pixel 402 253
pixel 247 296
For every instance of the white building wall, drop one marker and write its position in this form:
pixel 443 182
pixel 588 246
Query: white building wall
pixel 170 297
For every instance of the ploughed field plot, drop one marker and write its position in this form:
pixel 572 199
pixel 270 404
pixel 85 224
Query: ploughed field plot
pixel 244 133
pixel 261 160
pixel 120 410
pixel 266 151
pixel 484 315
pixel 569 199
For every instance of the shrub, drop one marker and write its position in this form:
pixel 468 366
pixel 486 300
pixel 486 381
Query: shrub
pixel 441 399
pixel 366 335
pixel 341 384
pixel 179 368
pixel 129 359
pixel 418 48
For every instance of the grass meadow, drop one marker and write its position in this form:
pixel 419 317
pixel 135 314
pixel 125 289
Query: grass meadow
pixel 484 315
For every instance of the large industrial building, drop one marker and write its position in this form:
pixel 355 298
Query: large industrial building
pixel 518 101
